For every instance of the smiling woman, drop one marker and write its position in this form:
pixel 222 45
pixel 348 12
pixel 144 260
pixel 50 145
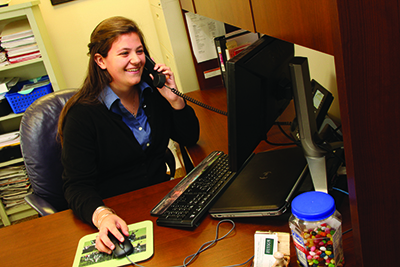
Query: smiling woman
pixel 115 130
pixel 56 2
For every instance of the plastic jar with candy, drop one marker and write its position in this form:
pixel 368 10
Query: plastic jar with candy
pixel 316 228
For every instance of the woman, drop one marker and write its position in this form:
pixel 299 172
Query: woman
pixel 116 128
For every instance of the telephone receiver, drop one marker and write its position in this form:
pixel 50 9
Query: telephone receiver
pixel 158 78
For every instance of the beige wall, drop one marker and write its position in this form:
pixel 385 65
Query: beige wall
pixel 70 24
pixel 322 69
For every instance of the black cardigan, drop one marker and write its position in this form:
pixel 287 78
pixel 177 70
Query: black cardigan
pixel 102 158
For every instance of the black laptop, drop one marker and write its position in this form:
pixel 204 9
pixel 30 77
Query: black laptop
pixel 265 186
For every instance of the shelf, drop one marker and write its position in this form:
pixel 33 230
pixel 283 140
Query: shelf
pixel 11 116
pixel 18 213
pixel 11 162
pixel 19 208
pixel 19 6
pixel 46 65
pixel 20 64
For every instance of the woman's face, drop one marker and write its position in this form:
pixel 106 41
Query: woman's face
pixel 124 62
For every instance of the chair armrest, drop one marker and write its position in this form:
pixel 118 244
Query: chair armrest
pixel 40 205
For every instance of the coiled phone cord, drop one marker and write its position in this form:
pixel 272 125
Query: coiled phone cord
pixel 188 98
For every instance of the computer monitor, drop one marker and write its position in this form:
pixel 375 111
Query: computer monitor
pixel 258 90
pixel 261 81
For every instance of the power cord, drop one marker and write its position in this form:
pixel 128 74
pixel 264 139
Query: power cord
pixel 279 124
pixel 189 259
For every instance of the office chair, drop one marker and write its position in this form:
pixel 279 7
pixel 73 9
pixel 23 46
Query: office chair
pixel 42 152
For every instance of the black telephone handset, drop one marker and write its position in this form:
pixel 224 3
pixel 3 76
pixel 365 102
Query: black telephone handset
pixel 158 78
pixel 159 82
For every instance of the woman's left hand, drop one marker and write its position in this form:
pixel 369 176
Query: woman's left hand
pixel 176 101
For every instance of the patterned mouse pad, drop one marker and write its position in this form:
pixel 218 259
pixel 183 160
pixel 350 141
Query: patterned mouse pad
pixel 140 235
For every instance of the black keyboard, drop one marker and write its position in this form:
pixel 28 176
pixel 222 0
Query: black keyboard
pixel 188 202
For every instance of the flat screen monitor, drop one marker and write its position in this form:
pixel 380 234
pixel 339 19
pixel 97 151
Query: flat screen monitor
pixel 259 89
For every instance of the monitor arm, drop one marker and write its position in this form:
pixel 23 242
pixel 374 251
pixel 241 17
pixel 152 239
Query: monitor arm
pixel 309 137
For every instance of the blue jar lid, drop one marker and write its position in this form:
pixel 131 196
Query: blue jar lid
pixel 313 206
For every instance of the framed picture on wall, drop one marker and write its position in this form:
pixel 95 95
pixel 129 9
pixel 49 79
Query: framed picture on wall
pixel 56 2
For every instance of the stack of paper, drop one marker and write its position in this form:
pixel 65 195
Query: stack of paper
pixel 5 85
pixel 3 57
pixel 238 43
pixel 231 44
pixel 9 139
pixel 14 186
pixel 19 42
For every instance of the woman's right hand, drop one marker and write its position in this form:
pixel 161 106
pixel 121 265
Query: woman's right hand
pixel 110 224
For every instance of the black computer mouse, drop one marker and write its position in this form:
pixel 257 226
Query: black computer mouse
pixel 121 249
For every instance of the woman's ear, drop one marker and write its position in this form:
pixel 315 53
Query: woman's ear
pixel 99 59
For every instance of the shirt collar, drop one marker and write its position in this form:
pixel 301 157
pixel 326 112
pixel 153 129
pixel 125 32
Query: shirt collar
pixel 108 97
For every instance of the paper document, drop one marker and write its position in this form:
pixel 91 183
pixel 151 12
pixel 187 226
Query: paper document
pixel 202 32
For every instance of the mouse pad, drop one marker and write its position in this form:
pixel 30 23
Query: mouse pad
pixel 140 235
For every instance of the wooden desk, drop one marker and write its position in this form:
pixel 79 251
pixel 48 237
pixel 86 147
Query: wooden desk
pixel 53 240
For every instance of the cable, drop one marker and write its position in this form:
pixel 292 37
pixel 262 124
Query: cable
pixel 340 190
pixel 345 232
pixel 288 136
pixel 278 144
pixel 134 264
pixel 208 244
pixel 189 259
pixel 241 264
pixel 188 98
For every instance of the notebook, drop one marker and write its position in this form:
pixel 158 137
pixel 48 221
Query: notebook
pixel 265 186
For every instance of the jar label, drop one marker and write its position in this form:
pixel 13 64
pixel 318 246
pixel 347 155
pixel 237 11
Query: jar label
pixel 300 248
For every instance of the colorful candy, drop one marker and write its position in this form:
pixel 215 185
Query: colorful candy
pixel 318 243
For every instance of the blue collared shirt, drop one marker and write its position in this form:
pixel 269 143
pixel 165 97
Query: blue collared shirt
pixel 138 124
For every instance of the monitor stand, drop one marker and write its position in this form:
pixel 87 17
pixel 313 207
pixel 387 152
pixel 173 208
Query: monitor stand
pixel 308 132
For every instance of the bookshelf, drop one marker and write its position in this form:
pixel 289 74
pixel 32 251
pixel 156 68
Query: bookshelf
pixel 46 65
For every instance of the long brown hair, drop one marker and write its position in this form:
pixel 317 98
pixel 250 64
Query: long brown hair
pixel 101 40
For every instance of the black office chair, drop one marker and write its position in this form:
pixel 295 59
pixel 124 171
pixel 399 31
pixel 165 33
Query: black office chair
pixel 42 152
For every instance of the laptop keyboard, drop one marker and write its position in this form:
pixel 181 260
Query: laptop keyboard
pixel 188 202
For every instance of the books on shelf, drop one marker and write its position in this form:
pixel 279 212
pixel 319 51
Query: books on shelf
pixel 231 44
pixel 24 57
pixel 3 57
pixel 19 43
pixel 26 49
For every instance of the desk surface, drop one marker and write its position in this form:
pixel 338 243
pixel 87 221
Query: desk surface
pixel 52 240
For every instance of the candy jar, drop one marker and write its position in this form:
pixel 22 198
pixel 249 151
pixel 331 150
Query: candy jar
pixel 316 228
